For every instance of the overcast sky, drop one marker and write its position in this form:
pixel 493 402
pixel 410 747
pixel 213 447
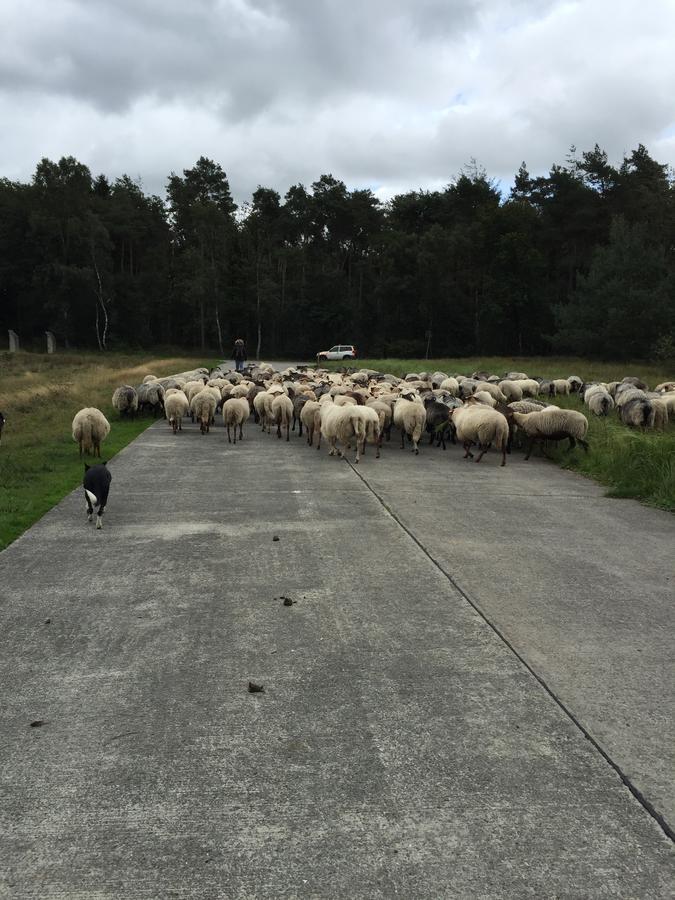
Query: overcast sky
pixel 393 95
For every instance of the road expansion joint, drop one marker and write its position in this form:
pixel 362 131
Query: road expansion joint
pixel 649 808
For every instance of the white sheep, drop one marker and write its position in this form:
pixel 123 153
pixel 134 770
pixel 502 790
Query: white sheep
pixel 481 425
pixel 235 412
pixel 529 386
pixel 598 400
pixel 90 428
pixel 511 390
pixel 367 427
pixel 203 408
pixel 666 387
pixel 311 419
pixel 485 398
pixel 553 424
pixel 339 424
pixel 560 386
pixel 410 416
pixel 493 389
pixel 282 413
pixel 176 406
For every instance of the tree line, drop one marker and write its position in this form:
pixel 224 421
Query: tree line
pixel 581 260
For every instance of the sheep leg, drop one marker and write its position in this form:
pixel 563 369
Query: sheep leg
pixel 288 432
pixel 402 439
pixel 483 450
pixel 529 450
pixel 279 429
pixel 299 427
pixel 584 444
pixel 241 431
pixel 467 451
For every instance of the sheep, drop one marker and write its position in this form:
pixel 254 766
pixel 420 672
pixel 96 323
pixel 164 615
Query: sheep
pixel 203 408
pixel 637 412
pixel 598 400
pixel 410 416
pixel 451 385
pixel 308 418
pixel 485 398
pixel 517 376
pixel 529 386
pixel 636 382
pixel 90 428
pixel 282 413
pixel 526 406
pixel 492 389
pixel 437 421
pixel 262 405
pixel 553 424
pixel 176 406
pixel 336 424
pixel 125 401
pixel 482 425
pixel 660 412
pixel 344 400
pixel 668 400
pixel 149 378
pixel 575 384
pixel 151 398
pixel 665 387
pixel 511 390
pixel 385 414
pixel 626 392
pixel 560 386
pixel 235 412
pixel 366 423
pixel 346 424
pixel 546 387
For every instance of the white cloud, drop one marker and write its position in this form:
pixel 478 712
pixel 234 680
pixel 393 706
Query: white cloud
pixel 397 95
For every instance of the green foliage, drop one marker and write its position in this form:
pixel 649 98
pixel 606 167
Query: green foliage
pixel 580 259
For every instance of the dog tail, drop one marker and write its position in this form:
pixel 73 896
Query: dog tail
pixel 92 497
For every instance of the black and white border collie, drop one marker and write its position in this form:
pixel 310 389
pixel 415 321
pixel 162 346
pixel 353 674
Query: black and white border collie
pixel 96 483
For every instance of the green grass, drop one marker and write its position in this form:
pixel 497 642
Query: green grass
pixel 39 395
pixel 629 462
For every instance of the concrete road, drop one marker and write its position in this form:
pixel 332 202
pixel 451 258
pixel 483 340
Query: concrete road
pixel 469 697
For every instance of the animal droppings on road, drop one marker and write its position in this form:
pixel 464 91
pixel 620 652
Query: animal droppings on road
pixel 38 723
pixel 276 537
pixel 287 601
pixel 255 688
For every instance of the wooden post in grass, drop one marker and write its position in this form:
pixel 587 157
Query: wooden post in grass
pixel 13 341
pixel 51 342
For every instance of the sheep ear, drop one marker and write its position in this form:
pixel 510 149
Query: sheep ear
pixel 104 463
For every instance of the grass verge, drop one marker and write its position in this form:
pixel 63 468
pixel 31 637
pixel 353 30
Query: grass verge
pixel 630 463
pixel 39 395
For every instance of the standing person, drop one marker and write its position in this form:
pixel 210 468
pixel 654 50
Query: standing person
pixel 239 354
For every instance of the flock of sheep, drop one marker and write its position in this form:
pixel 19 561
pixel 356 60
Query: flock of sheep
pixel 351 410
